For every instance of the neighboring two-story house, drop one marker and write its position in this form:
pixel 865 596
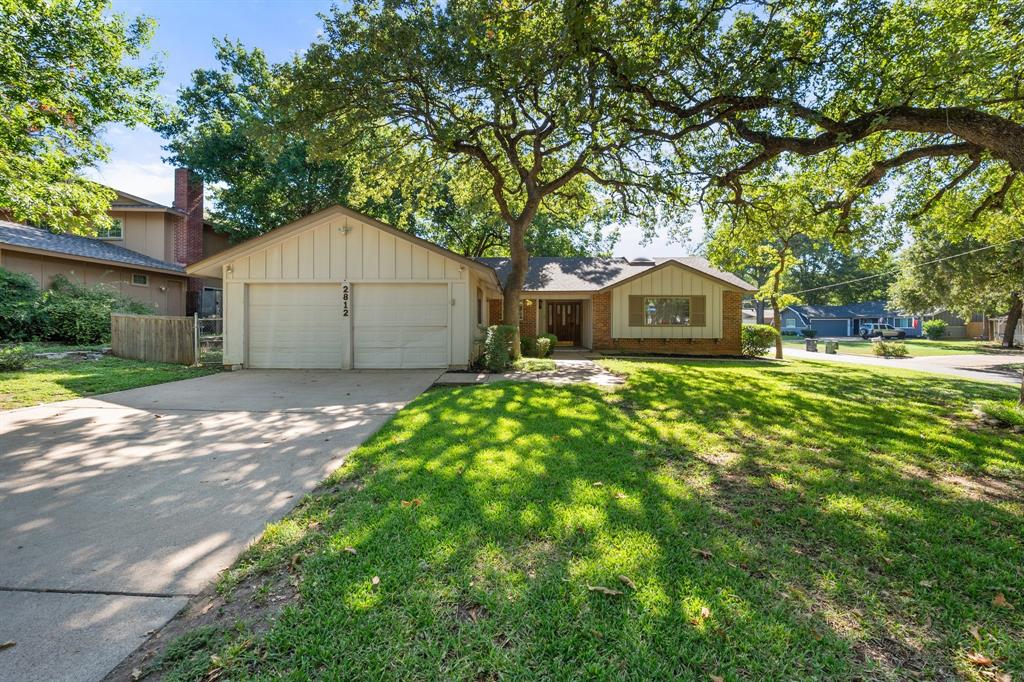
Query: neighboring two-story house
pixel 142 255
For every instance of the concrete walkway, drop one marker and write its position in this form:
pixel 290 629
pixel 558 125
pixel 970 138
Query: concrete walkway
pixel 116 509
pixel 571 367
pixel 978 367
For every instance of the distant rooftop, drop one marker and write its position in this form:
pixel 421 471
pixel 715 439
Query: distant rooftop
pixel 16 234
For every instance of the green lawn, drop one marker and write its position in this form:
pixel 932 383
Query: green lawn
pixel 917 347
pixel 758 523
pixel 45 381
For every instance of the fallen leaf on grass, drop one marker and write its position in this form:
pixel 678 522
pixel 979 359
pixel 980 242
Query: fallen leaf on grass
pixel 627 581
pixel 351 550
pixel 375 581
pixel 705 612
pixel 979 659
pixel 705 554
pixel 717 678
pixel 1000 601
pixel 926 583
pixel 620 496
pixel 412 503
pixel 974 632
pixel 136 674
pixel 604 590
pixel 598 484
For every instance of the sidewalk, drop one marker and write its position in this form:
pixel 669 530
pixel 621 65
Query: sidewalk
pixel 977 367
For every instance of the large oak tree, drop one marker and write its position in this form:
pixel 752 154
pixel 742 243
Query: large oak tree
pixel 510 94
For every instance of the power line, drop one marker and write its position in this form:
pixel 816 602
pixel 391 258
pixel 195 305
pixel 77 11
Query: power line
pixel 889 272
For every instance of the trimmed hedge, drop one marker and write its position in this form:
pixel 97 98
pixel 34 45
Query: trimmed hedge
pixel 934 329
pixel 757 339
pixel 890 349
pixel 551 341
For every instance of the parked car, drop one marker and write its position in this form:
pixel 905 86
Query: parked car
pixel 885 331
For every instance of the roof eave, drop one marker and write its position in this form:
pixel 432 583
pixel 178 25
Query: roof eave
pixel 88 259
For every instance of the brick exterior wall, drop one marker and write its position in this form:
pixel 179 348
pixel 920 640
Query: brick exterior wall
pixel 528 326
pixel 729 344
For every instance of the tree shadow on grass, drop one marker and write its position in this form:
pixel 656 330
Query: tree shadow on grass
pixel 770 523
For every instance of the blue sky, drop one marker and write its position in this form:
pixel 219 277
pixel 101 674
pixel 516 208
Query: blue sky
pixel 184 42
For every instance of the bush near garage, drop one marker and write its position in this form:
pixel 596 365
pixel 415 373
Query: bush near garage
pixel 498 347
pixel 809 333
pixel 70 313
pixel 756 339
pixel 934 329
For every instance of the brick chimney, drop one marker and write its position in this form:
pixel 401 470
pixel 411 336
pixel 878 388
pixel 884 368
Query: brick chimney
pixel 188 229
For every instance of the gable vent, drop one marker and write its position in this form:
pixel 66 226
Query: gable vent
pixel 641 260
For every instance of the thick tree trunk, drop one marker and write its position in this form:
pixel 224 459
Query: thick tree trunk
pixel 759 311
pixel 520 262
pixel 1012 318
pixel 777 323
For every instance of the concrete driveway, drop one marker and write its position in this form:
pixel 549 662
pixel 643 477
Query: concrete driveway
pixel 115 510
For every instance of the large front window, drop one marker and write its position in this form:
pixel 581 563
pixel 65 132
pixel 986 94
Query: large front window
pixel 662 311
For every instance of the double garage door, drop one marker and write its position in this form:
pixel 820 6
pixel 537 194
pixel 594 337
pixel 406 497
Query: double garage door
pixel 389 326
pixel 831 327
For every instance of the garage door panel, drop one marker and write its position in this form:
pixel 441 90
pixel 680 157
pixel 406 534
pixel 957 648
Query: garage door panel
pixel 830 327
pixel 296 326
pixel 400 326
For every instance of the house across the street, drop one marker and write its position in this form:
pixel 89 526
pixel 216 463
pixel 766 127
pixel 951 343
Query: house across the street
pixel 846 320
pixel 341 290
pixel 142 255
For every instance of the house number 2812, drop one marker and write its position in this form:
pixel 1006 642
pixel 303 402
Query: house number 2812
pixel 344 300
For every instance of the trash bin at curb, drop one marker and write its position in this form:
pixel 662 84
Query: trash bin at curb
pixel 831 347
pixel 811 345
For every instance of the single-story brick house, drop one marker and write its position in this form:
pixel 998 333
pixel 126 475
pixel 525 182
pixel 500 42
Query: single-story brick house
pixel 338 289
pixel 141 256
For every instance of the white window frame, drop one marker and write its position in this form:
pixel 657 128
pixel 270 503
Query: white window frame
pixel 143 283
pixel 106 233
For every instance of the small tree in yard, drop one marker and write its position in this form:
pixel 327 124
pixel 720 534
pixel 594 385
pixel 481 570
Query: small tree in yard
pixel 756 339
pixel 510 97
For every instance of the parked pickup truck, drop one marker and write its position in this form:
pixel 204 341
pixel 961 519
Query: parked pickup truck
pixel 885 331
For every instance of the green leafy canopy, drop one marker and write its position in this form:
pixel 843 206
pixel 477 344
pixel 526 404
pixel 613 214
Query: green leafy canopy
pixel 67 69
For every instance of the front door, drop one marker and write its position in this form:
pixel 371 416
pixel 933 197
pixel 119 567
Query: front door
pixel 564 322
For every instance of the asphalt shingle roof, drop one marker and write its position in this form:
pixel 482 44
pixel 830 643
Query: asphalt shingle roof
pixel 593 274
pixel 16 234
pixel 853 310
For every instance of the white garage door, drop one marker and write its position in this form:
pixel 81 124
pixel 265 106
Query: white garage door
pixel 296 326
pixel 400 326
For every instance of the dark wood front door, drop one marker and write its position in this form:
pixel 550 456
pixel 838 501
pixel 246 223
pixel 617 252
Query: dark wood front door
pixel 564 322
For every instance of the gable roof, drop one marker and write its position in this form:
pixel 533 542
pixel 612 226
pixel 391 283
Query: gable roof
pixel 870 309
pixel 37 240
pixel 284 231
pixel 594 274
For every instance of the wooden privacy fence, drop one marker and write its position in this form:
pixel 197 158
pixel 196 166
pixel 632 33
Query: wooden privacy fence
pixel 155 338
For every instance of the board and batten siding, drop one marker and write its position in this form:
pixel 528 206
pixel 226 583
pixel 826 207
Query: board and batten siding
pixel 339 249
pixel 668 281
